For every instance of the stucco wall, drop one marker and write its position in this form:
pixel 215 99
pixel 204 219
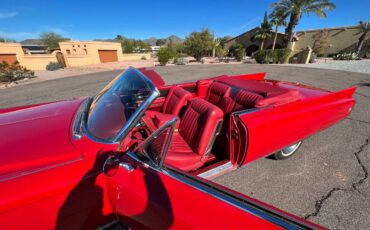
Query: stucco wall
pixel 335 39
pixel 80 53
pixel 37 61
pixel 30 61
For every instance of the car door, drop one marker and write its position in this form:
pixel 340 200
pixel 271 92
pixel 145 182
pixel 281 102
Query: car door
pixel 146 194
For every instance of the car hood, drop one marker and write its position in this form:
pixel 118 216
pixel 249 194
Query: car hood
pixel 37 136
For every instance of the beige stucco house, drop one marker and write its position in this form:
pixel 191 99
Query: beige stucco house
pixel 11 52
pixel 71 54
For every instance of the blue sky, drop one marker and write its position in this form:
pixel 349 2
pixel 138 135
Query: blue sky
pixel 87 20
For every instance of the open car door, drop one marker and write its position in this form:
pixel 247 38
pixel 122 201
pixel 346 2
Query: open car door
pixel 146 194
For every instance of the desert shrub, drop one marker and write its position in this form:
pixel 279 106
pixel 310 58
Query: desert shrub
pixel 14 72
pixel 272 56
pixel 347 56
pixel 282 55
pixel 53 66
pixel 165 54
pixel 181 61
pixel 237 51
pixel 239 54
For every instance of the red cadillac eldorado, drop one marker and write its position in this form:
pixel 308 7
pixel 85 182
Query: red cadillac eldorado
pixel 141 153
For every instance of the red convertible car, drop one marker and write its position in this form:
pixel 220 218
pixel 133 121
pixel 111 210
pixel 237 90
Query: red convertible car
pixel 142 153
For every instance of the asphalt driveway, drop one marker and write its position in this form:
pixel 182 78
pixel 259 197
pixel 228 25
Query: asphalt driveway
pixel 326 182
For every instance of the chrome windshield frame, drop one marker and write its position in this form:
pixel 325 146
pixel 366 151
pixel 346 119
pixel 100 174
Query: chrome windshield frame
pixel 131 122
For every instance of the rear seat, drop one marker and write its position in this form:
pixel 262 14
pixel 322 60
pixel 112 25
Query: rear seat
pixel 216 92
pixel 219 95
pixel 245 100
pixel 190 147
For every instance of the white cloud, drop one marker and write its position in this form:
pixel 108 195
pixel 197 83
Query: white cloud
pixel 18 35
pixel 8 15
pixel 250 22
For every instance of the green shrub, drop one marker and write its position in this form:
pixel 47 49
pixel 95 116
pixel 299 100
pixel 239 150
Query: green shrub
pixel 54 66
pixel 272 56
pixel 181 61
pixel 237 51
pixel 14 72
pixel 347 56
pixel 165 54
pixel 239 54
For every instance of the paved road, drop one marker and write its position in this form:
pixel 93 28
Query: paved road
pixel 326 182
pixel 360 66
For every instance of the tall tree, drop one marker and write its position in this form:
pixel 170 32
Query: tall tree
pixel 263 31
pixel 119 38
pixel 365 28
pixel 198 44
pixel 296 8
pixel 160 42
pixel 278 18
pixel 52 39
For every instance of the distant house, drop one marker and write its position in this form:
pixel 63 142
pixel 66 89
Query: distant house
pixel 155 49
pixel 70 54
pixel 34 49
pixel 324 41
pixel 251 45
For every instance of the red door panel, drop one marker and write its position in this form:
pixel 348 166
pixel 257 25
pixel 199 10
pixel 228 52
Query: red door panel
pixel 271 129
pixel 150 198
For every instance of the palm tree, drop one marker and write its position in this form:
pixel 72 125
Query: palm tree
pixel 365 28
pixel 263 31
pixel 296 8
pixel 277 19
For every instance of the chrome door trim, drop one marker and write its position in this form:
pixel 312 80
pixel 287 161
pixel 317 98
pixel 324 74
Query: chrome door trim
pixel 217 170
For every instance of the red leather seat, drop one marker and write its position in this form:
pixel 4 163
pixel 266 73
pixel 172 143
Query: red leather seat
pixel 245 100
pixel 176 99
pixel 193 142
pixel 216 92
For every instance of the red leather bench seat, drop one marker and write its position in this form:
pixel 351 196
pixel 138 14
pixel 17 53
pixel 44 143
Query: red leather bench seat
pixel 192 143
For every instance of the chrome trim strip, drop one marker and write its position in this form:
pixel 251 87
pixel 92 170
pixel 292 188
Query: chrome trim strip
pixel 9 176
pixel 207 174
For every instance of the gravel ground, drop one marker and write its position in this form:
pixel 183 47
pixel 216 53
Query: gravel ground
pixel 360 66
pixel 325 182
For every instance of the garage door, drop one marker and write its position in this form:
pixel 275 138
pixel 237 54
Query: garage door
pixel 9 58
pixel 108 55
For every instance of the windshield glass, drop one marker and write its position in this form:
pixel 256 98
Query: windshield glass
pixel 116 104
